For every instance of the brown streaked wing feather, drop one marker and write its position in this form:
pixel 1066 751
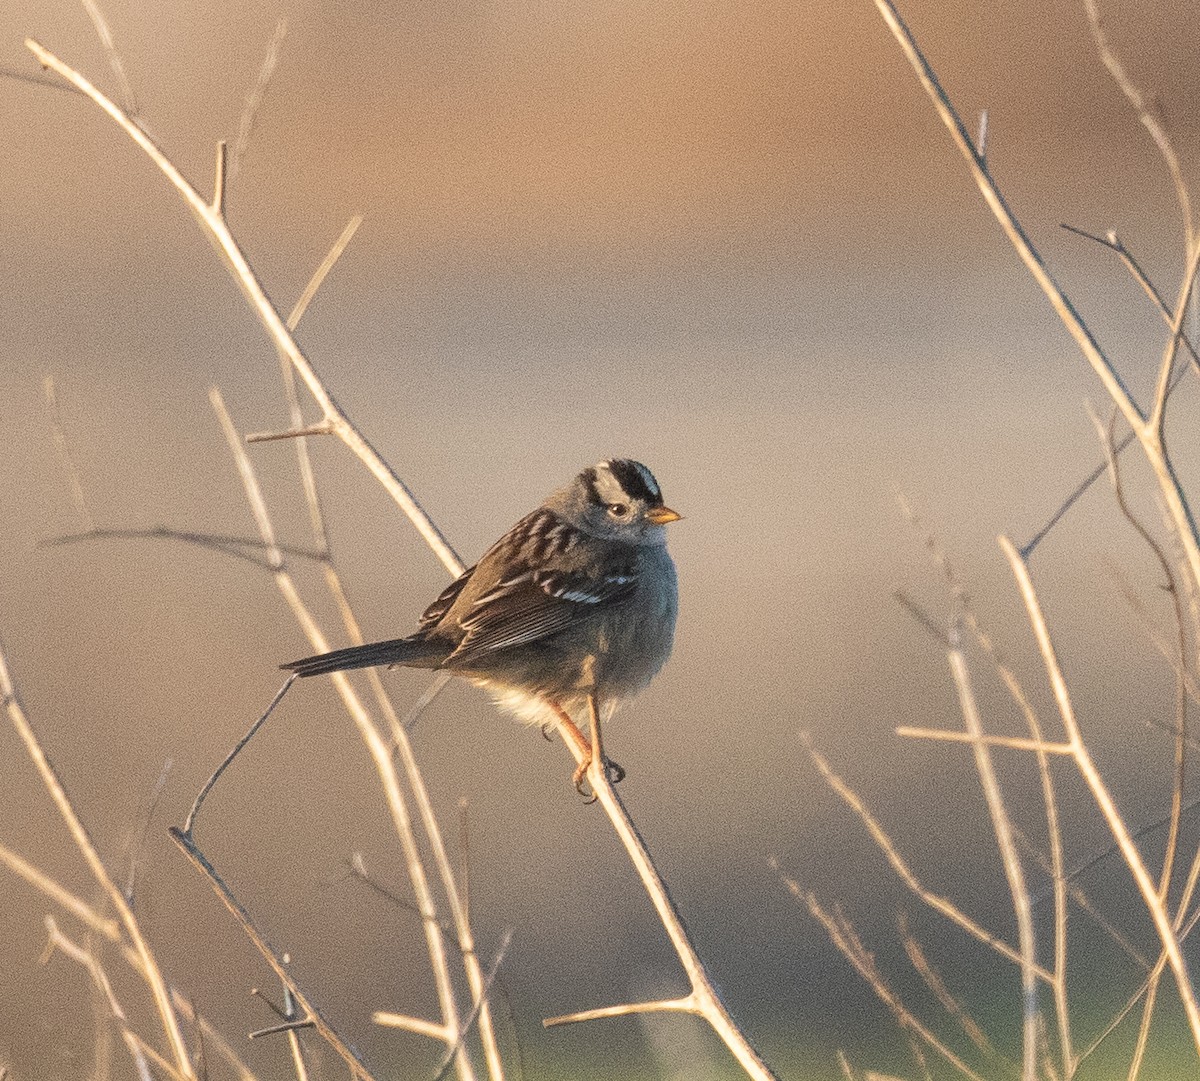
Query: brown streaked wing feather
pixel 444 600
pixel 532 605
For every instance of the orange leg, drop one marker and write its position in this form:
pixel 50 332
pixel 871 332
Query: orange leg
pixel 581 745
pixel 586 749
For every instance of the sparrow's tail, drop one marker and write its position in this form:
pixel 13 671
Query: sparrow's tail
pixel 411 652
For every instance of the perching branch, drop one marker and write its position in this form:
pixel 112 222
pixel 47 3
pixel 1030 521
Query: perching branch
pixel 703 999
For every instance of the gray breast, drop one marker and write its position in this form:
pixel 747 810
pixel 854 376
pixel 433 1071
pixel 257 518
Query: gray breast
pixel 640 634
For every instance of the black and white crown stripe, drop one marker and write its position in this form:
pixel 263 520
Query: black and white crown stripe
pixel 620 479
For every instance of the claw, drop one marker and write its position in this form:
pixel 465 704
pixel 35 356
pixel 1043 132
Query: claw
pixel 547 729
pixel 578 778
pixel 612 770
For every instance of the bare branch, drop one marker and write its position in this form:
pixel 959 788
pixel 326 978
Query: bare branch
pixel 1152 124
pixel 843 937
pixel 938 903
pixel 83 841
pixel 61 896
pixel 214 224
pixel 1112 816
pixel 1017 743
pixel 198 860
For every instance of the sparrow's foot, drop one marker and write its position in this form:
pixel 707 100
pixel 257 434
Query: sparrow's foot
pixel 612 770
pixel 579 780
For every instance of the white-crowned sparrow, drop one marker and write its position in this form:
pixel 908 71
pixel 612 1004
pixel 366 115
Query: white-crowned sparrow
pixel 573 608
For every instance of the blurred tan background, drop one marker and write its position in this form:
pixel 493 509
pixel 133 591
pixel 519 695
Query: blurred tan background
pixel 731 241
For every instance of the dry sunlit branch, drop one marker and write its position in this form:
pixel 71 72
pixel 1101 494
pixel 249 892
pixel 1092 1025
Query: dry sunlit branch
pixel 934 981
pixel 704 1000
pixel 398 728
pixel 368 731
pixel 213 222
pixel 938 903
pixel 1055 865
pixel 1148 428
pixel 1087 768
pixel 41 881
pixel 1013 871
pixel 482 998
pixel 1105 432
pixel 141 1052
pixel 1152 123
pixel 147 963
pixel 1016 743
pixel 1034 1021
pixel 842 935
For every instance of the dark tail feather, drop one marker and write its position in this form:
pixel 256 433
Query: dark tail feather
pixel 415 652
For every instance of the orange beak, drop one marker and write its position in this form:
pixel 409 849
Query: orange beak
pixel 662 515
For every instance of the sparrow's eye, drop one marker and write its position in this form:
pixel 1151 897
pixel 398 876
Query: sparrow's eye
pixel 618 510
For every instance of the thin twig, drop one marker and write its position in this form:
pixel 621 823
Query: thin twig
pixel 322 272
pixel 283 1026
pixel 708 1003
pixel 190 822
pixel 1013 871
pixel 1105 433
pixel 1147 427
pixel 472 1018
pixel 843 937
pixel 1017 743
pixel 256 96
pixel 61 896
pixel 938 903
pixel 937 985
pixel 65 458
pixel 1152 124
pixel 368 731
pixel 114 57
pixel 139 1050
pixel 220 542
pixel 1054 832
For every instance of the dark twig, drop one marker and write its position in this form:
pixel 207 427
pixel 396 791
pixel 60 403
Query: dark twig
pixel 225 544
pixel 212 780
pixel 198 860
pixel 283 1026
